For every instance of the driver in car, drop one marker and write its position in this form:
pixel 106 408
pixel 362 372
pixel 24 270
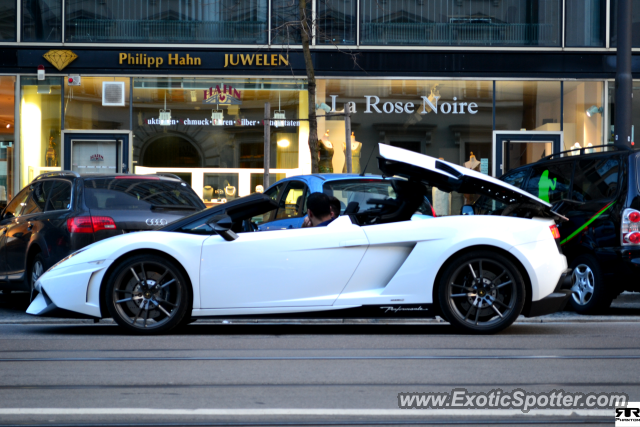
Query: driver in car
pixel 318 211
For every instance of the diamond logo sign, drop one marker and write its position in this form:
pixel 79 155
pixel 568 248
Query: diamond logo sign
pixel 60 58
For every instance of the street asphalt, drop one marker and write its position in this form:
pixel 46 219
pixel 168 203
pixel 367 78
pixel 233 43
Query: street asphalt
pixel 303 373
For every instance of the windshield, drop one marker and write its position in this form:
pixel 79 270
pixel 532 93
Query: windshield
pixel 116 193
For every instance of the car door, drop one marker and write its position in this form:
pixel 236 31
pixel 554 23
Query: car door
pixel 21 229
pixel 292 207
pixel 9 216
pixel 283 268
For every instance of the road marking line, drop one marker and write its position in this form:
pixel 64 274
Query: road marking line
pixel 309 411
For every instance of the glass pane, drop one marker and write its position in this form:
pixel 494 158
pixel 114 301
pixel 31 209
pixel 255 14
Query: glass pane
pixel 528 105
pixel 60 196
pixel 360 191
pixel 517 178
pixel 292 203
pixel 550 183
pixel 137 194
pixel 461 22
pixel 257 181
pixel 41 21
pixel 336 22
pixel 86 109
pixel 273 193
pixel 8 21
pixel 180 21
pixel 635 112
pixel 16 206
pixel 188 138
pixel 585 23
pixel 635 23
pixel 582 117
pixel 7 135
pixel 596 179
pixel 40 112
pixel 41 192
pixel 220 187
pixel 285 21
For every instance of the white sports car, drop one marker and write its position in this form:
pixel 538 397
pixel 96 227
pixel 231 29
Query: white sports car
pixel 377 259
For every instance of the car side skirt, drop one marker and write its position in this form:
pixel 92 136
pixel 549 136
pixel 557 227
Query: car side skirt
pixel 366 311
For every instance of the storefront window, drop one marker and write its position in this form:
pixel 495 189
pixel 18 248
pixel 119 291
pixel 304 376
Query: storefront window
pixel 213 129
pixel 585 23
pixel 441 118
pixel 635 23
pixel 336 22
pixel 461 22
pixel 635 113
pixel 7 141
pixel 285 21
pixel 528 105
pixel 40 112
pixel 41 21
pixel 8 21
pixel 583 114
pixel 192 21
pixel 97 103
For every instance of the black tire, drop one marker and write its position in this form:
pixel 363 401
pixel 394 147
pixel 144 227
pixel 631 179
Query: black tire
pixel 481 292
pixel 34 271
pixel 589 293
pixel 148 294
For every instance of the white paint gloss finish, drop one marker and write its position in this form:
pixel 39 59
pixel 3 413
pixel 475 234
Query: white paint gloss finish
pixel 280 268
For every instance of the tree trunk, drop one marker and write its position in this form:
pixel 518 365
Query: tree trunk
pixel 306 25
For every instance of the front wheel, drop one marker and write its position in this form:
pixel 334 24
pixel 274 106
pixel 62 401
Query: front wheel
pixel 481 292
pixel 147 294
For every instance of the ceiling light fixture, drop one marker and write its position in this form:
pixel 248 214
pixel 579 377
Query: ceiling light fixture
pixel 283 143
pixel 593 110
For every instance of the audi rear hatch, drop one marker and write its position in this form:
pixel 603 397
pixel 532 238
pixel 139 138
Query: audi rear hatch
pixel 129 203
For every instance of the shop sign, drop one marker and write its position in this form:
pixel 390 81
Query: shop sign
pixel 239 122
pixel 149 61
pixel 96 158
pixel 225 96
pixel 429 104
pixel 255 59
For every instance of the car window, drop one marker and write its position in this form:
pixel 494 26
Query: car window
pixel 18 204
pixel 596 179
pixel 517 178
pixel 273 193
pixel 550 182
pixel 41 192
pixel 60 197
pixel 360 191
pixel 131 193
pixel 293 202
pixel 32 206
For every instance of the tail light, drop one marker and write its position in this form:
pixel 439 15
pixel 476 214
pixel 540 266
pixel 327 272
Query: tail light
pixel 90 224
pixel 630 227
pixel 554 231
pixel 433 211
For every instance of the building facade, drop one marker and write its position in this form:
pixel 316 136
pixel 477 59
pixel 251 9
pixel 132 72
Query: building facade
pixel 180 86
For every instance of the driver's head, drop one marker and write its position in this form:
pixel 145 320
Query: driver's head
pixel 318 208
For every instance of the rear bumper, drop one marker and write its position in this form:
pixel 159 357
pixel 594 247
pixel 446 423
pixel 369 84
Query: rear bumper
pixel 555 301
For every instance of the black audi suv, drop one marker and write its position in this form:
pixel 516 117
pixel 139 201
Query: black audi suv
pixel 61 212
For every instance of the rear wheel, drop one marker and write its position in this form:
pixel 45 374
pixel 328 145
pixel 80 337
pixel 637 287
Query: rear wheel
pixel 148 294
pixel 481 292
pixel 589 295
pixel 36 269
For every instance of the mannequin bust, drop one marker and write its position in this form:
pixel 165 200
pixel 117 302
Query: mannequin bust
pixel 208 193
pixel 325 154
pixel 473 163
pixel 356 151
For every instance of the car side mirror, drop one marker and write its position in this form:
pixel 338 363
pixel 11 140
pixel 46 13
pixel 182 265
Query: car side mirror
pixel 467 210
pixel 223 227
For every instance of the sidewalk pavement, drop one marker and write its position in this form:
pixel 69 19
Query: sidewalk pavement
pixel 625 308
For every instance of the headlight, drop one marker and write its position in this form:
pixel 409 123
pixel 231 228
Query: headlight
pixel 68 257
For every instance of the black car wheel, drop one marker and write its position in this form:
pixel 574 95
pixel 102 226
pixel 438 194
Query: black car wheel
pixel 147 295
pixel 481 292
pixel 588 290
pixel 36 269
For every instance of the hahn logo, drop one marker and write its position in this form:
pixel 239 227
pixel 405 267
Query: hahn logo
pixel 96 158
pixel 225 96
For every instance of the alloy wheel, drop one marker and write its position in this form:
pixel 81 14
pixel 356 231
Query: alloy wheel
pixel 583 284
pixel 147 295
pixel 481 292
pixel 37 269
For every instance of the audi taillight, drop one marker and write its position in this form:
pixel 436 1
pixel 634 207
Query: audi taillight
pixel 90 224
pixel 630 227
pixel 554 231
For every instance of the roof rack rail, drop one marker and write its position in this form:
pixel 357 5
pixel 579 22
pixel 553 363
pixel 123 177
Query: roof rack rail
pixel 582 150
pixel 168 175
pixel 55 173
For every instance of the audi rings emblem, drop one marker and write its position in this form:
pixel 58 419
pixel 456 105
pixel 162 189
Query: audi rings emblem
pixel 156 221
